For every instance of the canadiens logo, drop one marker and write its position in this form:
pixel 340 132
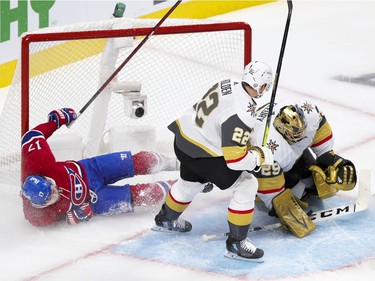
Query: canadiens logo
pixel 78 188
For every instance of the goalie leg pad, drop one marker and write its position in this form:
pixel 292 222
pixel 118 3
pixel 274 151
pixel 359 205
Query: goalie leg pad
pixel 291 214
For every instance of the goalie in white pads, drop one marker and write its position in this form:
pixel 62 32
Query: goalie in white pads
pixel 301 140
pixel 211 144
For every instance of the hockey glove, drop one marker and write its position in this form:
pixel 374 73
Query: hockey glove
pixel 263 155
pixel 343 174
pixel 324 189
pixel 78 214
pixel 63 116
pixel 339 172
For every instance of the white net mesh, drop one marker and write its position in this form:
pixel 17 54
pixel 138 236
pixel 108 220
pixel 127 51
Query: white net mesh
pixel 174 70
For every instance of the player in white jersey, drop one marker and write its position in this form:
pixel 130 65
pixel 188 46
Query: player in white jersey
pixel 301 140
pixel 211 143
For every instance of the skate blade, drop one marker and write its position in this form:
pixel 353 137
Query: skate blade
pixel 237 257
pixel 161 229
pixel 165 230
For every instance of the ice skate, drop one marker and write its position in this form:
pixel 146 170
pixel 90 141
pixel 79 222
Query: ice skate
pixel 165 225
pixel 243 250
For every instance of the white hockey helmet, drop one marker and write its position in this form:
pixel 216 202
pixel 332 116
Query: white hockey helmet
pixel 256 74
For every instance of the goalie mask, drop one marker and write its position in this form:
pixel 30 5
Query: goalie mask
pixel 256 74
pixel 290 123
pixel 40 191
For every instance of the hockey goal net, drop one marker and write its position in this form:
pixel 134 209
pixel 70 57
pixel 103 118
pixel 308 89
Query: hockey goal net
pixel 64 66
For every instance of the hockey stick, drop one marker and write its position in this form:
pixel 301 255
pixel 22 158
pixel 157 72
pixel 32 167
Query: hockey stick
pixel 361 204
pixel 121 66
pixel 277 74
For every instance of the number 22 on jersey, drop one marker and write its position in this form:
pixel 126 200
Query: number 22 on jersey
pixel 208 103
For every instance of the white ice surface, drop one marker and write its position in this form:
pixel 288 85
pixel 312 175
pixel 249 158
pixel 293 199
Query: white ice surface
pixel 326 39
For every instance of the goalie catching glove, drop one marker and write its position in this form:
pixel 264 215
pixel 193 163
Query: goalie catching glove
pixel 339 175
pixel 63 116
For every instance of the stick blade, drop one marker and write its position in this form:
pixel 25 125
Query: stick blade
pixel 211 237
pixel 364 189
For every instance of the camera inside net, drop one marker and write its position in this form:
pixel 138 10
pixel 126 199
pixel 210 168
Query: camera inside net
pixel 135 106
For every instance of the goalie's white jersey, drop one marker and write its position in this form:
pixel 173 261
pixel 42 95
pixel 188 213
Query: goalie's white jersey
pixel 220 124
pixel 318 134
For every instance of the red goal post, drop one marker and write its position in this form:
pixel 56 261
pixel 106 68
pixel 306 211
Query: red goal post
pixel 63 67
pixel 64 36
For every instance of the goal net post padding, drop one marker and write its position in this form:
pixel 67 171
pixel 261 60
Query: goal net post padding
pixel 63 67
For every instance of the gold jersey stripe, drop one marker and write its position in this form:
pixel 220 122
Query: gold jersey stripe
pixel 323 133
pixel 271 184
pixel 234 153
pixel 240 217
pixel 175 205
